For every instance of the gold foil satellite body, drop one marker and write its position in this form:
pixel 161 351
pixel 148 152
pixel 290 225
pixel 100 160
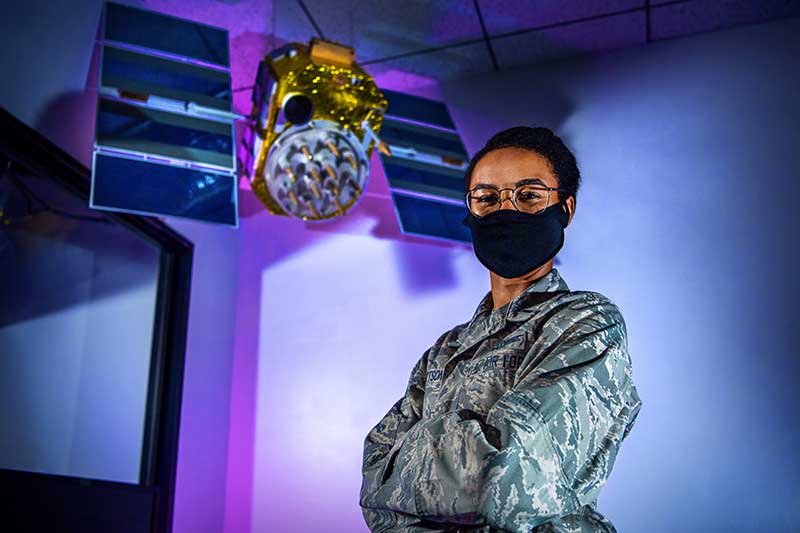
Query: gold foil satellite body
pixel 317 114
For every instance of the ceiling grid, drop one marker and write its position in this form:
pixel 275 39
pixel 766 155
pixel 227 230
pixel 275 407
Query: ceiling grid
pixel 447 39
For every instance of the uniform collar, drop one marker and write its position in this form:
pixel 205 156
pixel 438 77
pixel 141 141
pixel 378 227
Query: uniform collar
pixel 519 308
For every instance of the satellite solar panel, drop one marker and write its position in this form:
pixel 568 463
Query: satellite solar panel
pixel 163 33
pixel 415 108
pixel 431 218
pixel 426 169
pixel 147 75
pixel 448 144
pixel 149 187
pixel 124 126
pixel 164 135
pixel 433 179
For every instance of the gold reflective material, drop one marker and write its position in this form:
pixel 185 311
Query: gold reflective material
pixel 333 53
pixel 347 110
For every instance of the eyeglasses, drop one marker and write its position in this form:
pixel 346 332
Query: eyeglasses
pixel 485 199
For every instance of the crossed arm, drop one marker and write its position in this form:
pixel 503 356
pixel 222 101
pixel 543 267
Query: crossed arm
pixel 543 451
pixel 385 436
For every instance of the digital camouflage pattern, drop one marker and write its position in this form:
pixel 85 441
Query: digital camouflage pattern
pixel 510 422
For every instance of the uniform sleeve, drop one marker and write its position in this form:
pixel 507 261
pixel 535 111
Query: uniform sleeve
pixel 545 448
pixel 380 443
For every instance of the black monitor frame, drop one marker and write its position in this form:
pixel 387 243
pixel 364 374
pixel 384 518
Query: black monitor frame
pixel 45 502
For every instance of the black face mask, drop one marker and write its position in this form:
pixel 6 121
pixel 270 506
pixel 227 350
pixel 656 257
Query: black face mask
pixel 511 243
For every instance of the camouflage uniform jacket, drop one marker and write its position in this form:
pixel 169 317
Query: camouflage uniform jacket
pixel 510 422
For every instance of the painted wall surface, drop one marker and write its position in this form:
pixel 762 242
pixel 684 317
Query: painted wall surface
pixel 342 319
pixel 688 220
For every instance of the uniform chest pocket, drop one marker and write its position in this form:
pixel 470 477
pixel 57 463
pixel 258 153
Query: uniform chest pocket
pixel 487 378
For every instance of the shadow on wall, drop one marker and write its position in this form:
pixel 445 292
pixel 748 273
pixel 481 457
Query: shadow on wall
pixel 420 269
pixel 477 118
pixel 68 120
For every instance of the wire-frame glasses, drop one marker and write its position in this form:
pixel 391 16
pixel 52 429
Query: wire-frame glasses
pixel 528 198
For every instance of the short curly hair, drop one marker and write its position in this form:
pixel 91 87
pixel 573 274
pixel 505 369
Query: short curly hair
pixel 542 141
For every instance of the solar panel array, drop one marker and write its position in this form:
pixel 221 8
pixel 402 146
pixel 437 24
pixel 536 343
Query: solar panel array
pixel 164 137
pixel 426 168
